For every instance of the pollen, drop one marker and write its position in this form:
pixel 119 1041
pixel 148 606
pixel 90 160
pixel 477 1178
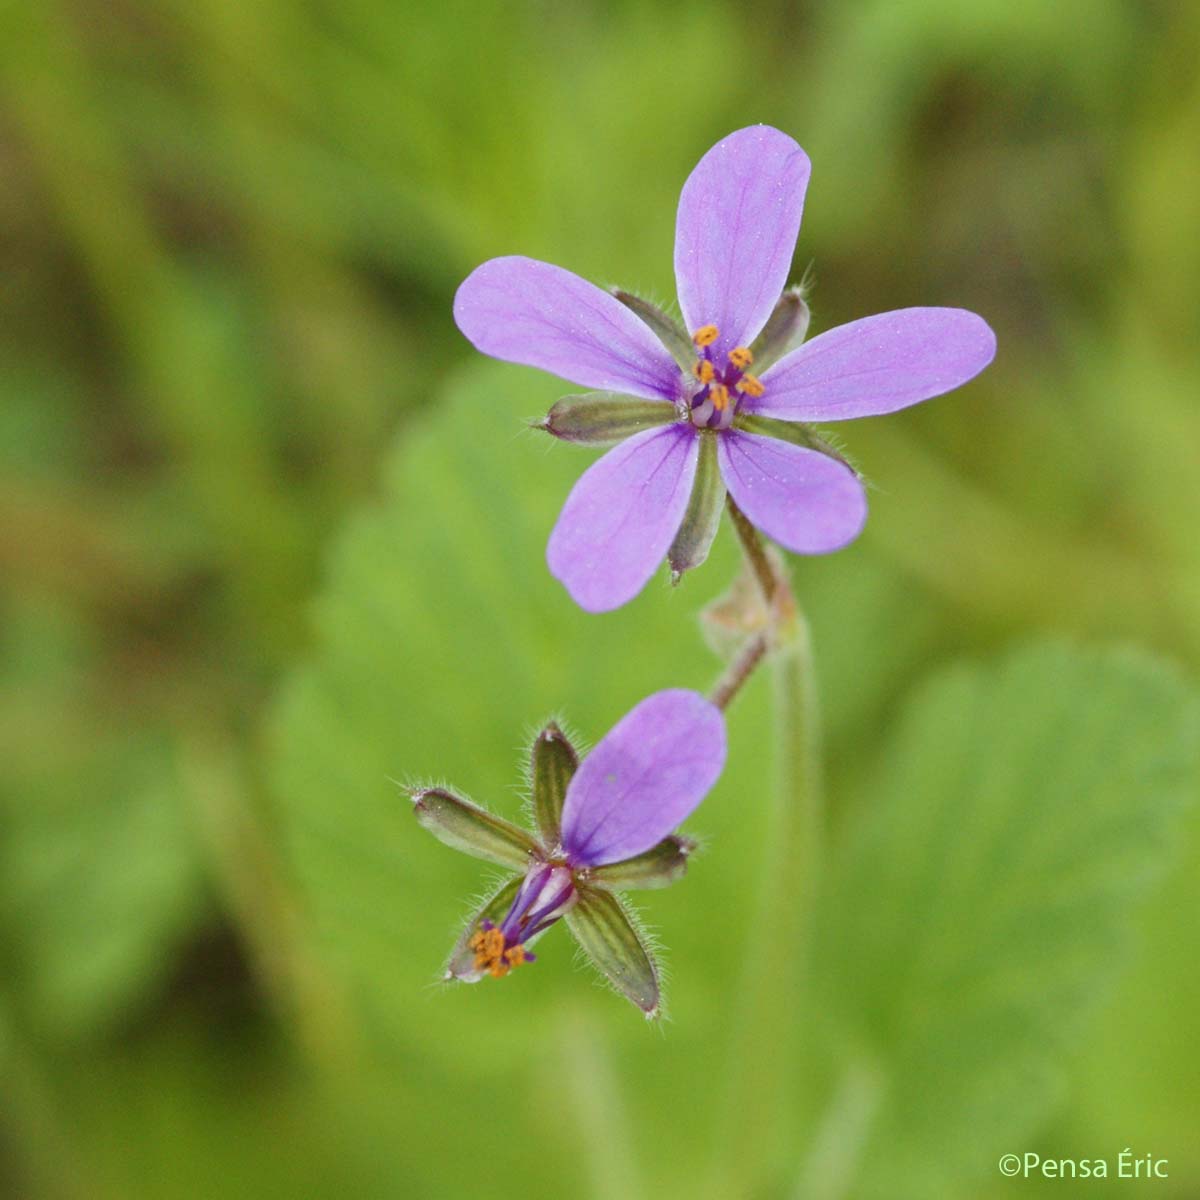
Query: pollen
pixel 493 954
pixel 705 335
pixel 718 393
pixel 740 357
pixel 704 371
pixel 750 386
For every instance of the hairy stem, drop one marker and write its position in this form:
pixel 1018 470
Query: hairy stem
pixel 739 671
pixel 755 551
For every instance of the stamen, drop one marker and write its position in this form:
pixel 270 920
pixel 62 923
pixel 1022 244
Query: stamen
pixel 718 393
pixel 494 955
pixel 740 357
pixel 705 335
pixel 704 371
pixel 750 385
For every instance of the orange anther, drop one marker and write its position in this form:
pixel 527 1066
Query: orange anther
pixel 740 357
pixel 705 335
pixel 704 371
pixel 750 385
pixel 718 393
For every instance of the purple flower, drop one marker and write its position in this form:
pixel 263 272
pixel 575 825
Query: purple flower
pixel 692 420
pixel 603 825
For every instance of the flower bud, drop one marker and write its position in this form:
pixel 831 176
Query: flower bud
pixel 785 329
pixel 605 932
pixel 657 867
pixel 602 418
pixel 703 516
pixel 552 764
pixel 474 831
pixel 669 331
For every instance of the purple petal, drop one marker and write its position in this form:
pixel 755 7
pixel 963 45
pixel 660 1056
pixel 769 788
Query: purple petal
pixel 531 312
pixel 646 775
pixel 739 215
pixel 877 365
pixel 621 517
pixel 804 499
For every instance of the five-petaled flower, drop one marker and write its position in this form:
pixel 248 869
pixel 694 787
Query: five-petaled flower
pixel 605 825
pixel 692 419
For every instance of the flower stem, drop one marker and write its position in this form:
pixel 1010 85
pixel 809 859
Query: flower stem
pixel 739 671
pixel 755 551
pixel 762 1070
pixel 593 1092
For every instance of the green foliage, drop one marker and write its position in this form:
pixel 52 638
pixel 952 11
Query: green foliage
pixel 232 233
pixel 981 906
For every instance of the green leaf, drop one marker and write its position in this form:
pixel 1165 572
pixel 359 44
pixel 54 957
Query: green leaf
pixel 980 905
pixel 440 636
pixel 552 764
pixel 605 931
pixel 473 830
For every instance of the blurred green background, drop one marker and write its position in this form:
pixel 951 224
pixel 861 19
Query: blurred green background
pixel 272 537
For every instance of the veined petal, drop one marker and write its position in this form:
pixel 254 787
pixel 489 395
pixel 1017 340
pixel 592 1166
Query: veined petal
pixel 739 214
pixel 552 763
pixel 474 830
pixel 657 867
pixel 643 778
pixel 461 964
pixel 621 516
pixel 525 311
pixel 805 500
pixel 876 365
pixel 605 931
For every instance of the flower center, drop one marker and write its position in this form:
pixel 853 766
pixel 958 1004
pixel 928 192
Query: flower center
pixel 547 891
pixel 494 953
pixel 723 378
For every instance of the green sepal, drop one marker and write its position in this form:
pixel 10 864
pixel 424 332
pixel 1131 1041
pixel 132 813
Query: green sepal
pixel 669 331
pixel 786 328
pixel 473 830
pixel 552 763
pixel 657 867
pixel 602 418
pixel 605 931
pixel 795 432
pixel 461 963
pixel 703 516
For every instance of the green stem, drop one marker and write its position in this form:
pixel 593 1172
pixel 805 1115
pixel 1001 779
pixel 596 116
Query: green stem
pixel 739 671
pixel 755 551
pixel 758 1099
pixel 832 1163
pixel 593 1092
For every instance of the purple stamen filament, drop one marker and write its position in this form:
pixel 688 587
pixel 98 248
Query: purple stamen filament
pixel 544 896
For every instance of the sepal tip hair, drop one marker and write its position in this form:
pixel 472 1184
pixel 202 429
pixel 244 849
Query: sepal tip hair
pixel 740 352
pixel 473 830
pixel 610 938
